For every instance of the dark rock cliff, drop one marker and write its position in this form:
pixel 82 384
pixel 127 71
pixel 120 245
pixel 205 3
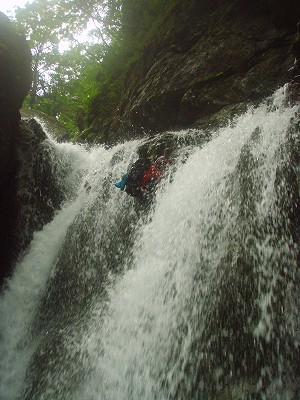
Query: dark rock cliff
pixel 209 60
pixel 15 81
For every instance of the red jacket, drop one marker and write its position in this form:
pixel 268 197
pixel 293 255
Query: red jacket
pixel 151 174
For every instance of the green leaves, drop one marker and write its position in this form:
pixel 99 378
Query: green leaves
pixel 90 75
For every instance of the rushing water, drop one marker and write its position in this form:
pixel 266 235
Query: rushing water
pixel 193 297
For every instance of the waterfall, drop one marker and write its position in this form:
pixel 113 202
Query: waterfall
pixel 195 296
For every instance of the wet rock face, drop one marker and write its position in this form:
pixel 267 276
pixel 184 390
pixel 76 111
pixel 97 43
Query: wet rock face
pixel 15 81
pixel 15 68
pixel 209 56
pixel 37 191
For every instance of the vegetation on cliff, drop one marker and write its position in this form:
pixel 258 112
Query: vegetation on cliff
pixel 87 77
pixel 154 65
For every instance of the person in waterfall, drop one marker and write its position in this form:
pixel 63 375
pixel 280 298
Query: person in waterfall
pixel 142 177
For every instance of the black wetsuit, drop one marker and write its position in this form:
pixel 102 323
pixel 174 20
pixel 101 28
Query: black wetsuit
pixel 134 177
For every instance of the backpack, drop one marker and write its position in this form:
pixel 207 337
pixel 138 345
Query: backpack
pixel 135 175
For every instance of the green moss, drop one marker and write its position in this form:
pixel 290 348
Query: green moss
pixel 210 77
pixel 141 21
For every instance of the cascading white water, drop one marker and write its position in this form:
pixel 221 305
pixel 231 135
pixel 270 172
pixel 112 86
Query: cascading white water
pixel 195 298
pixel 20 301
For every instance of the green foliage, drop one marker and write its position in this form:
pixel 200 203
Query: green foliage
pixel 87 81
